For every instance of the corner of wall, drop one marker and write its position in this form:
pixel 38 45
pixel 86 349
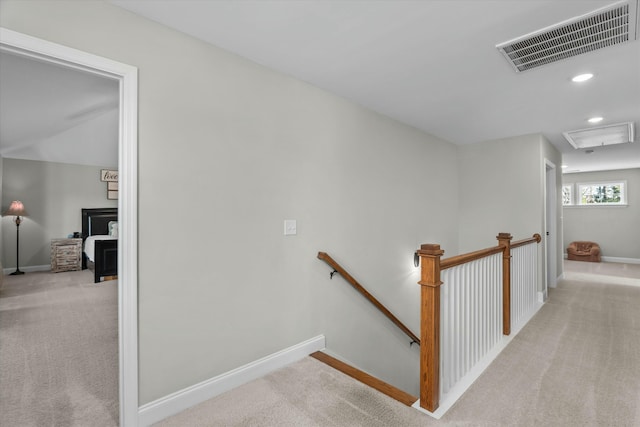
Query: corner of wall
pixel 549 153
pixel 1 245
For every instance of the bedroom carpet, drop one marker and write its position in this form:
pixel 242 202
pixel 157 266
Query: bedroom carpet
pixel 576 363
pixel 58 350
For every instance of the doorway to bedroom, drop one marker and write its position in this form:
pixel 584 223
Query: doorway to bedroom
pixel 68 116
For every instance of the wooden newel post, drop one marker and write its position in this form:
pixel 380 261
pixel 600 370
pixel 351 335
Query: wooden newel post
pixel 430 326
pixel 504 239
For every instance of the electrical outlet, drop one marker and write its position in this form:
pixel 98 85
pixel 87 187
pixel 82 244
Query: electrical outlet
pixel 290 227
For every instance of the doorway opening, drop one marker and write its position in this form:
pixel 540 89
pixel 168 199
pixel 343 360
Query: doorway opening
pixel 127 77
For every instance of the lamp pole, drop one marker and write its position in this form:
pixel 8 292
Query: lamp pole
pixel 18 220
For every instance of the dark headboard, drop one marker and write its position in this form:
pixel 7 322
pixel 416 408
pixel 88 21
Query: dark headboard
pixel 96 221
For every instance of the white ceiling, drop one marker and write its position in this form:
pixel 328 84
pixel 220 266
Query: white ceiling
pixel 430 64
pixel 58 114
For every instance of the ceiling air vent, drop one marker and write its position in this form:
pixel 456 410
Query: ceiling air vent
pixel 604 27
pixel 620 133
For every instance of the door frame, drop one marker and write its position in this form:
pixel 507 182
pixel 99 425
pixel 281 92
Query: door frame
pixel 39 49
pixel 550 225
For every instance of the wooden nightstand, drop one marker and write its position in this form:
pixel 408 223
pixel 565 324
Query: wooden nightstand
pixel 66 255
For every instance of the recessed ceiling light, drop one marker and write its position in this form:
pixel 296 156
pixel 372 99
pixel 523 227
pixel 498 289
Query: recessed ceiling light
pixel 564 166
pixel 595 120
pixel 582 77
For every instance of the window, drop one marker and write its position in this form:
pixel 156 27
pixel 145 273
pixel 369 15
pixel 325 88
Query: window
pixel 567 195
pixel 601 193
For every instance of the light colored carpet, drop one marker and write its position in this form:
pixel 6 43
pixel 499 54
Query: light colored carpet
pixel 577 363
pixel 58 350
pixel 307 393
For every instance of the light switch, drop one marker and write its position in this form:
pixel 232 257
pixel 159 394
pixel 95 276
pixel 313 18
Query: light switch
pixel 290 228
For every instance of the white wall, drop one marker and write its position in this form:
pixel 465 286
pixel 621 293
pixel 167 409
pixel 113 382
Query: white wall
pixel 1 233
pixel 53 195
pixel 499 188
pixel 227 151
pixel 615 228
pixel 502 190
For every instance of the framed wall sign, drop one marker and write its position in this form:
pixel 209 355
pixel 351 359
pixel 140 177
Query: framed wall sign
pixel 108 175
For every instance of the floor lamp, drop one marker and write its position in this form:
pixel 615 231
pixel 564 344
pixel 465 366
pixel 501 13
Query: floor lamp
pixel 17 209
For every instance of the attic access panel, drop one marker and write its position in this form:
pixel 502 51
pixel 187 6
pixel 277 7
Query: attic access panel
pixel 600 136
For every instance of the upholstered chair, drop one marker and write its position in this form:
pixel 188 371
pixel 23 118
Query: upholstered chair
pixel 583 251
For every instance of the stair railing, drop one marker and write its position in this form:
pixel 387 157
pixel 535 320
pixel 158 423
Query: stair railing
pixel 337 268
pixel 485 272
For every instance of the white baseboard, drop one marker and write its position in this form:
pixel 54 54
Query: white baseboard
pixel 543 295
pixel 30 269
pixel 621 260
pixel 174 403
pixel 602 278
pixel 617 259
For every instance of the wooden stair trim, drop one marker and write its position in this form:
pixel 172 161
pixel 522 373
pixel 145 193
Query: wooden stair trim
pixel 365 378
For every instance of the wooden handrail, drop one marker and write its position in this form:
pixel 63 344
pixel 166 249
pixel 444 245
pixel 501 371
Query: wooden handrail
pixel 535 239
pixel 472 256
pixel 353 282
pixel 468 257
